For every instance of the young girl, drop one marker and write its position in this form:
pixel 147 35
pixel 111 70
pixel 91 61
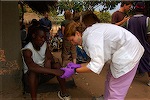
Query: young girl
pixel 39 65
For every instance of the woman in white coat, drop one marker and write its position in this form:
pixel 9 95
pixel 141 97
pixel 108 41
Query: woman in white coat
pixel 103 42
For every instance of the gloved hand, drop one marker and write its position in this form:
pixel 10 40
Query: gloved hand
pixel 68 72
pixel 73 65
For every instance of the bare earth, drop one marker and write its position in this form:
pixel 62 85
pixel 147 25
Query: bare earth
pixel 89 85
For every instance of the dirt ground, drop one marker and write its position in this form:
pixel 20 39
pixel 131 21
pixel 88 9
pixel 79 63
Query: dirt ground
pixel 89 85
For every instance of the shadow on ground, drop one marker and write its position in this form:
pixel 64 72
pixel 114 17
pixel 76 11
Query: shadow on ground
pixel 53 86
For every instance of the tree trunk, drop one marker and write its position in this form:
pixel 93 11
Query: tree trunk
pixel 10 45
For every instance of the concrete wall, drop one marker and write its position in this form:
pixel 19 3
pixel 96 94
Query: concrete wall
pixel 10 45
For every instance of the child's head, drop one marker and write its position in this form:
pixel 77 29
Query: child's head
pixel 38 36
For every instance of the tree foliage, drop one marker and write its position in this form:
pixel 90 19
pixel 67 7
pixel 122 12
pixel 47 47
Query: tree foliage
pixel 41 6
pixel 104 17
pixel 56 7
pixel 77 6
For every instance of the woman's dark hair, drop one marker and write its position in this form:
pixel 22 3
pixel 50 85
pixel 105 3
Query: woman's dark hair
pixel 89 18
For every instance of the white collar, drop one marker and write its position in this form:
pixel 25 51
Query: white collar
pixel 138 15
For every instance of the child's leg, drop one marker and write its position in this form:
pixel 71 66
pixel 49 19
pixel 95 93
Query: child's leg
pixel 117 88
pixel 61 81
pixel 33 84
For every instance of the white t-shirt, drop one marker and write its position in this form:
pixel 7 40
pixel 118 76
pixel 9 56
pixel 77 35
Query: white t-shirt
pixel 37 56
pixel 103 42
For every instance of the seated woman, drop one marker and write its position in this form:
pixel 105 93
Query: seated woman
pixel 39 65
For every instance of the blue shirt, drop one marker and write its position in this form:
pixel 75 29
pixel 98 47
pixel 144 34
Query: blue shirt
pixel 45 23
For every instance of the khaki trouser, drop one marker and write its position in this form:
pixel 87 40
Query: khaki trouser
pixel 68 52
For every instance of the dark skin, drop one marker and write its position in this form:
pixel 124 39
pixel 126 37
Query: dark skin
pixel 50 67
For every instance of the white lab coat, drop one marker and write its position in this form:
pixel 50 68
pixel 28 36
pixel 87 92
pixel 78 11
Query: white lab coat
pixel 103 42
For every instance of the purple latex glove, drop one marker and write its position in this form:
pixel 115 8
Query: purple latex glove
pixel 73 65
pixel 68 72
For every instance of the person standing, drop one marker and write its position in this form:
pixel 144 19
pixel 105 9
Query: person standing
pixel 47 24
pixel 40 66
pixel 68 50
pixel 139 25
pixel 120 16
pixel 102 44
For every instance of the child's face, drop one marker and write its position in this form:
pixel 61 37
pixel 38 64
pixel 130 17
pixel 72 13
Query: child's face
pixel 76 40
pixel 39 38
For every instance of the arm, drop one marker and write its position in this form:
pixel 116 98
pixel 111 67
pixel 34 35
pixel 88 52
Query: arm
pixel 123 21
pixel 83 68
pixel 27 54
pixel 48 58
pixel 118 19
pixel 72 68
